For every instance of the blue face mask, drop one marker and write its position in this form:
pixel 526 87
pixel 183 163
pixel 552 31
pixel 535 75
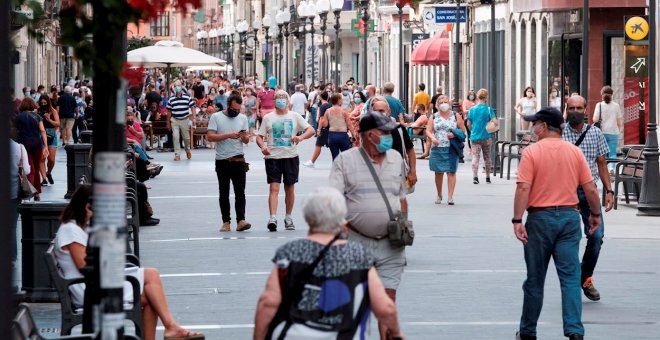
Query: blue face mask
pixel 385 143
pixel 357 100
pixel 177 89
pixel 345 93
pixel 280 104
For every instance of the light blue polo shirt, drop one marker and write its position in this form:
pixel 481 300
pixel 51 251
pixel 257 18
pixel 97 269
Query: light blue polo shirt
pixel 221 124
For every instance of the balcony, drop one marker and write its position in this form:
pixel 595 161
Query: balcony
pixel 563 5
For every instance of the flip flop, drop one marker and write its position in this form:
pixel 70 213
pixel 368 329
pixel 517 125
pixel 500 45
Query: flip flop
pixel 188 336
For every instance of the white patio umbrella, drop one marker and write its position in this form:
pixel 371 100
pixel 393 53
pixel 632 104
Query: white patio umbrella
pixel 168 53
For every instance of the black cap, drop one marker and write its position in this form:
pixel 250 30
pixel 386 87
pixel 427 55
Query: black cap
pixel 376 120
pixel 549 115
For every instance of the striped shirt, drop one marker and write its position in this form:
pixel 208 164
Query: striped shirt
pixel 366 208
pixel 180 106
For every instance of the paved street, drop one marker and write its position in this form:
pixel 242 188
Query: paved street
pixel 464 273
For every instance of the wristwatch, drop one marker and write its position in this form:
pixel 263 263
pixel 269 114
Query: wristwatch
pixel 610 191
pixel 595 215
pixel 516 220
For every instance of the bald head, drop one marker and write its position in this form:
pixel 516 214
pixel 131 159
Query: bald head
pixel 576 103
pixel 371 90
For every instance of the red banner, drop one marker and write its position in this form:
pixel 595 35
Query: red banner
pixel 634 128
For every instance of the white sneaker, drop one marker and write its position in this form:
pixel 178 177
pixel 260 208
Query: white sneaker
pixel 309 164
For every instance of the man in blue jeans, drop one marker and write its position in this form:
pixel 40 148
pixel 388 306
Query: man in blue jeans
pixel 595 149
pixel 548 177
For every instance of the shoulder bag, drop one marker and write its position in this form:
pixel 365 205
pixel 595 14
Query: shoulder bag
pixel 600 116
pixel 491 126
pixel 581 138
pixel 25 189
pixel 406 162
pixel 400 230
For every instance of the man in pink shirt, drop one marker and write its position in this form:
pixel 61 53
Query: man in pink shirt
pixel 548 177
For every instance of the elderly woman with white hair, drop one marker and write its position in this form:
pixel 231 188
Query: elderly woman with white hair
pixel 317 286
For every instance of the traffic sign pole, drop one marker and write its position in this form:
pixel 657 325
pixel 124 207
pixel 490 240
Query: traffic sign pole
pixel 648 203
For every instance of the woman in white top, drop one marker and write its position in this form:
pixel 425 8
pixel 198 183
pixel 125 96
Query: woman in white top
pixel 553 99
pixel 70 251
pixel 526 106
pixel 611 120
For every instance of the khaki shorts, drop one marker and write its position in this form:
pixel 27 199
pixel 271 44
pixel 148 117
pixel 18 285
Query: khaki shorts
pixel 67 123
pixel 390 261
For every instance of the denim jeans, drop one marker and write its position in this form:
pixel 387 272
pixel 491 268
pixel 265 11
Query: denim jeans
pixel 233 172
pixel 612 142
pixel 338 142
pixel 594 242
pixel 556 233
pixel 312 117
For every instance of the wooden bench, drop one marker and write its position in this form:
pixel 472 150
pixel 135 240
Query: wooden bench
pixel 72 316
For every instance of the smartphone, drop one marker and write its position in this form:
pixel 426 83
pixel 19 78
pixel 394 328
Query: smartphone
pixel 242 131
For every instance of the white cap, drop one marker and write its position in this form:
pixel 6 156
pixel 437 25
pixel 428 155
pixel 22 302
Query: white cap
pixel 67 89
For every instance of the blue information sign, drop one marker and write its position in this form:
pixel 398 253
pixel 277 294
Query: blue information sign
pixel 447 15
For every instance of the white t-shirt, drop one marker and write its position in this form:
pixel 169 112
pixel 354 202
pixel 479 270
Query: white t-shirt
pixel 298 101
pixel 527 105
pixel 221 124
pixel 16 151
pixel 610 114
pixel 70 233
pixel 312 99
pixel 277 131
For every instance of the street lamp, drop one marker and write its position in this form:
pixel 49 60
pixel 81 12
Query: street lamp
pixel 242 29
pixel 205 36
pixel 198 35
pixel 223 43
pixel 323 7
pixel 266 21
pixel 310 10
pixel 256 26
pixel 279 19
pixel 286 19
pixel 337 5
pixel 229 31
pixel 399 5
pixel 302 33
pixel 364 5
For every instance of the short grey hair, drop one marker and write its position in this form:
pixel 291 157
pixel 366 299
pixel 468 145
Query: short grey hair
pixel 325 210
pixel 388 87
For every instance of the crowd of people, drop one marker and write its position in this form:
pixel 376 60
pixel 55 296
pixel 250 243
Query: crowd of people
pixel 364 128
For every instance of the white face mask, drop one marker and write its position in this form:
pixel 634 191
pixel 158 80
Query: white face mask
pixel 553 94
pixel 444 107
pixel 530 94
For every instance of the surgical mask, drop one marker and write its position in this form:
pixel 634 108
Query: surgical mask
pixel 530 94
pixel 212 92
pixel 574 118
pixel 177 89
pixel 357 100
pixel 444 107
pixel 44 105
pixel 280 103
pixel 345 93
pixel 232 113
pixel 471 97
pixel 27 94
pixel 553 94
pixel 385 143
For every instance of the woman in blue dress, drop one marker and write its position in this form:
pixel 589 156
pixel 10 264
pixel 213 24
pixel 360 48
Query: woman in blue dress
pixel 443 127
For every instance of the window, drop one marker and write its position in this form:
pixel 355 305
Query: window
pixel 160 27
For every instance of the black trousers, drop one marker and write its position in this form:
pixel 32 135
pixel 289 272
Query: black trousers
pixel 233 172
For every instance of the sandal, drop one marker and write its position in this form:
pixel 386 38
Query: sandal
pixel 423 157
pixel 187 336
pixel 450 201
pixel 438 200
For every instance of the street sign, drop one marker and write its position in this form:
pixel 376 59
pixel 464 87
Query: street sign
pixel 447 14
pixel 417 38
pixel 429 16
pixel 636 60
pixel 637 30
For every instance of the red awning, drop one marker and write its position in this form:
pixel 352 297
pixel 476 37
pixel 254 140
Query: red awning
pixel 432 51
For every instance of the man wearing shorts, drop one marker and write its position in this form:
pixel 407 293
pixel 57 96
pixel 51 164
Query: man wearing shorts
pixel 67 110
pixel 277 138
